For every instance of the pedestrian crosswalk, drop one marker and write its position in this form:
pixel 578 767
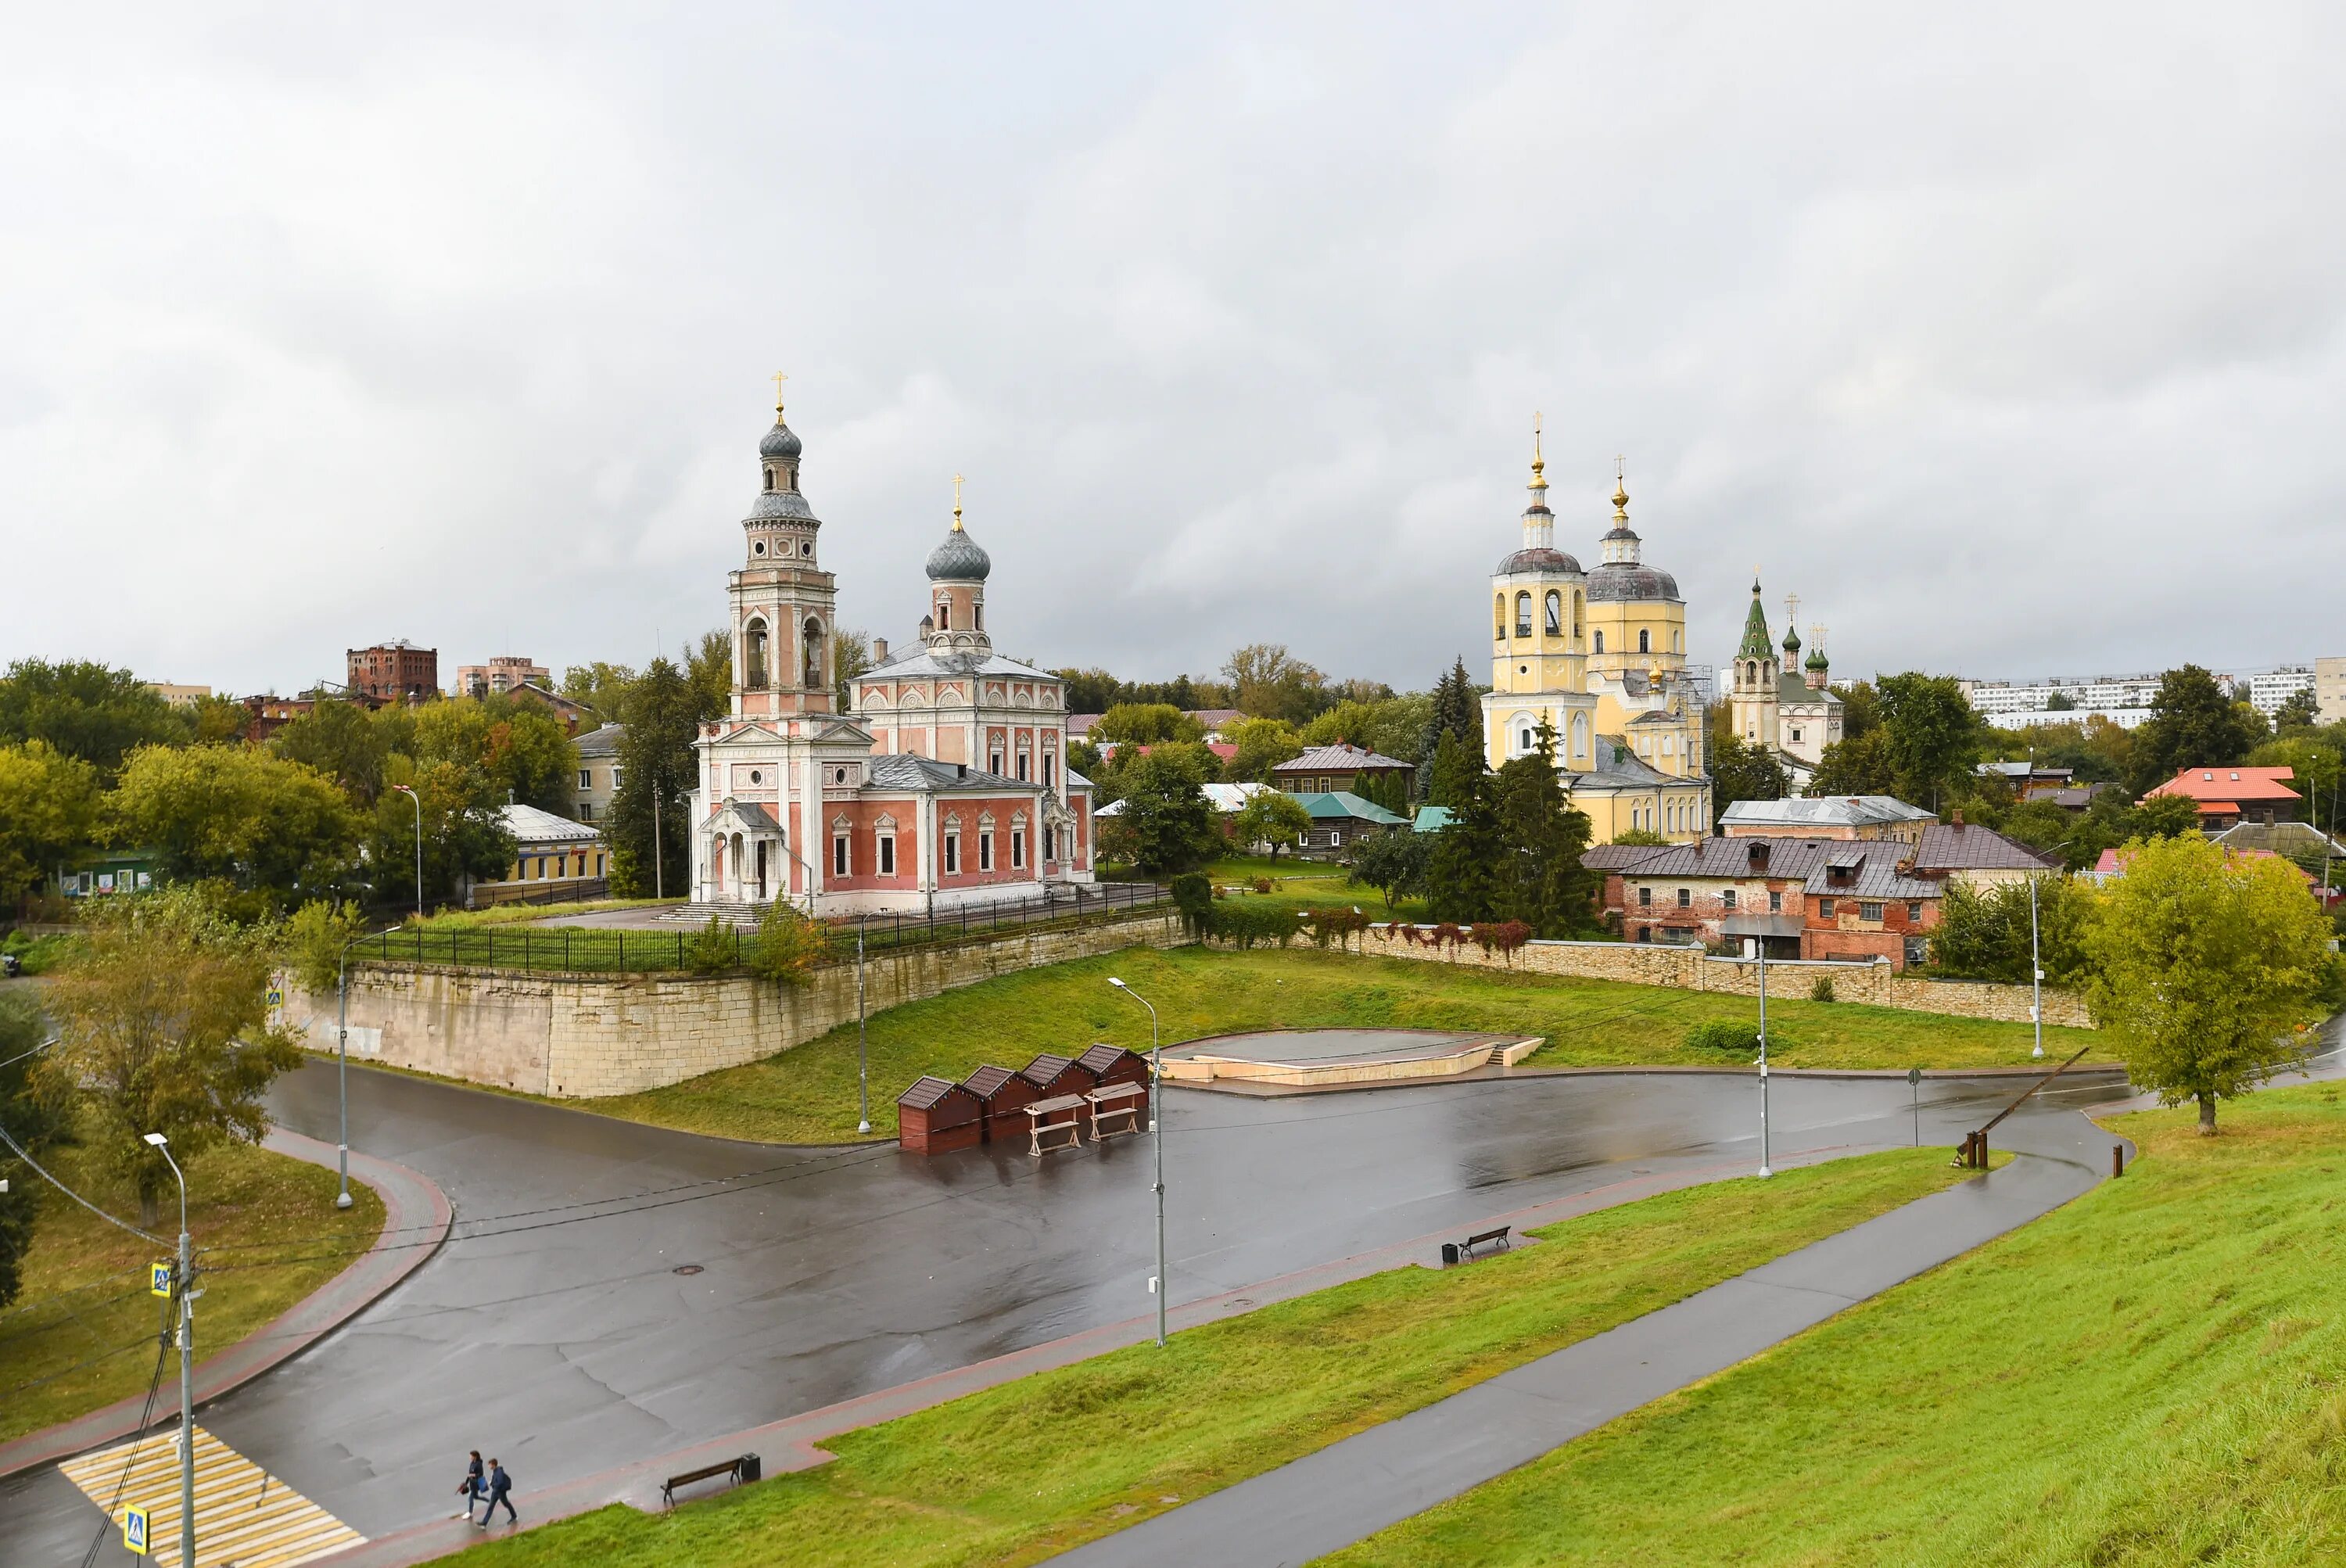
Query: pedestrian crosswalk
pixel 245 1517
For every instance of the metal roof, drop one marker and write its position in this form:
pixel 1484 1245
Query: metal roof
pixel 1966 846
pixel 602 742
pixel 1336 804
pixel 1337 758
pixel 922 662
pixel 1838 811
pixel 528 825
pixel 901 770
pixel 1789 859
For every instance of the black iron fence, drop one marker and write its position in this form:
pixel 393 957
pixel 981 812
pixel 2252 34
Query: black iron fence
pixel 594 949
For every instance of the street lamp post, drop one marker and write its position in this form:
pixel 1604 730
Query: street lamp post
pixel 187 1365
pixel 862 1061
pixel 418 802
pixel 342 1058
pixel 1157 1137
pixel 2035 967
pixel 1761 943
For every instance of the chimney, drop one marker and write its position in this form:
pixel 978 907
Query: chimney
pixel 1957 821
pixel 879 650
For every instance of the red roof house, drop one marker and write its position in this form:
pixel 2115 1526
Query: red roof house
pixel 2226 796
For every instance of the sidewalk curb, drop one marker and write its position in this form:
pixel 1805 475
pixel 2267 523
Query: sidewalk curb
pixel 415 1221
pixel 793 1444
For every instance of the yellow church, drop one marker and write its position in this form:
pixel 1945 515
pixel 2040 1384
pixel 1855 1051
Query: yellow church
pixel 1600 656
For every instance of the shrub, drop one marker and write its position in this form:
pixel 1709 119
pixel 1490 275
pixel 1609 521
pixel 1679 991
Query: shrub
pixel 1194 894
pixel 1820 988
pixel 1734 1038
pixel 790 946
pixel 1262 884
pixel 1248 924
pixel 714 950
pixel 1338 925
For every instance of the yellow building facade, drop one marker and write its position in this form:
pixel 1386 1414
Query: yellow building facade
pixel 1599 657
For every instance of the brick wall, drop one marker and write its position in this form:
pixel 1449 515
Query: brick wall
pixel 579 1036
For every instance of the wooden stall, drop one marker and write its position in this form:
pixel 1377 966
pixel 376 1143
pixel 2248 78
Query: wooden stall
pixel 1003 1097
pixel 1055 1075
pixel 1114 1064
pixel 936 1115
pixel 1116 1108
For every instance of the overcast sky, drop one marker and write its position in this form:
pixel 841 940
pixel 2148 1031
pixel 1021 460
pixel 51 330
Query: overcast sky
pixel 2008 337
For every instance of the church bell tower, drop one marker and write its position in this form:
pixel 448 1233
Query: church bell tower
pixel 783 603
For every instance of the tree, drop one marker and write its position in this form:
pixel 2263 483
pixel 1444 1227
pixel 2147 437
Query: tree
pixel 239 814
pixel 1460 882
pixel 341 740
pixel 2202 966
pixel 1456 711
pixel 2060 702
pixel 1860 709
pixel 1390 791
pixel 1089 690
pixel 1932 736
pixel 1166 824
pixel 522 750
pixel 1456 769
pixel 1540 879
pixel 315 938
pixel 1640 838
pixel 48 814
pixel 1146 723
pixel 1269 682
pixel 2313 760
pixel 87 710
pixel 2192 724
pixel 1394 726
pixel 465 835
pixel 790 945
pixel 1270 816
pixel 1983 934
pixel 709 667
pixel 28 1121
pixel 2299 710
pixel 1262 744
pixel 163 1024
pixel 1393 863
pixel 1741 770
pixel 656 765
pixel 850 660
pixel 1856 765
pixel 601 687
pixel 217 720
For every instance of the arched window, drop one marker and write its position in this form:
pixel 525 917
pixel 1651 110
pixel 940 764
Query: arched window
pixel 770 479
pixel 1523 615
pixel 945 615
pixel 1600 642
pixel 1579 612
pixel 753 662
pixel 977 616
pixel 1555 613
pixel 1645 640
pixel 1498 615
pixel 1580 735
pixel 813 634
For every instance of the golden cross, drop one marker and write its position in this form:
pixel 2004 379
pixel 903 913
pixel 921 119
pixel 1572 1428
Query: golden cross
pixel 779 380
pixel 1791 607
pixel 957 500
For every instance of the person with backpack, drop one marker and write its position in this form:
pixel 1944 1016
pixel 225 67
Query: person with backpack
pixel 500 1483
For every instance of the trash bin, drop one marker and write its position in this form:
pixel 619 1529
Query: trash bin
pixel 1449 1254
pixel 752 1467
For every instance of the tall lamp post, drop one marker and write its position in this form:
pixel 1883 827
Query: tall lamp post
pixel 2036 968
pixel 1761 943
pixel 418 802
pixel 343 1056
pixel 1157 1137
pixel 863 1062
pixel 186 1280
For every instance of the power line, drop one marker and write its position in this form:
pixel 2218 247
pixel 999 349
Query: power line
pixel 69 1192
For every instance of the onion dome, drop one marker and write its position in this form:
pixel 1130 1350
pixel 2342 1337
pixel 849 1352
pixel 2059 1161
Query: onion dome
pixel 1622 577
pixel 1791 644
pixel 781 441
pixel 959 558
pixel 1816 659
pixel 1539 558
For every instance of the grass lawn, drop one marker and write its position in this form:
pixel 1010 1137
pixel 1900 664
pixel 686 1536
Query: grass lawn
pixel 807 1094
pixel 1018 1472
pixel 2154 1374
pixel 82 1333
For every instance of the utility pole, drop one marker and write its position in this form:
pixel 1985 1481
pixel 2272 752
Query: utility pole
pixel 659 889
pixel 1762 942
pixel 187 1278
pixel 862 1061
pixel 418 799
pixel 1157 1137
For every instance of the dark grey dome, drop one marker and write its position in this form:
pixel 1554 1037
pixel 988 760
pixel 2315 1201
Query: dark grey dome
pixel 780 442
pixel 786 503
pixel 1631 581
pixel 1538 560
pixel 959 560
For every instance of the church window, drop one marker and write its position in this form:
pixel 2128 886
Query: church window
pixel 1796 735
pixel 1645 640
pixel 1555 613
pixel 994 758
pixel 806 546
pixel 1050 771
pixel 977 616
pixel 886 843
pixel 841 854
pixel 945 615
pixel 1017 846
pixel 1499 615
pixel 1670 744
pixel 1580 735
pixel 756 776
pixel 1523 615
pixel 1677 641
pixel 759 548
pixel 1025 761
pixel 770 479
pixel 985 850
pixel 1600 642
pixel 952 849
pixel 1523 740
pixel 813 632
pixel 753 662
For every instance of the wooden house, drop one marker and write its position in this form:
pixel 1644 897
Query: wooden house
pixel 1055 1075
pixel 1003 1097
pixel 936 1115
pixel 1114 1065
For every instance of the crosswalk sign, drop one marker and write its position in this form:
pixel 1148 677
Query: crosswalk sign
pixel 276 996
pixel 134 1529
pixel 159 1279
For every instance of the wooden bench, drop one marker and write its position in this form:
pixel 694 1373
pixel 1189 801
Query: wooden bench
pixel 1494 1240
pixel 742 1467
pixel 1115 1108
pixel 1057 1122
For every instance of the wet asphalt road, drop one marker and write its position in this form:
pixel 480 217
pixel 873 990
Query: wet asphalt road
pixel 553 1331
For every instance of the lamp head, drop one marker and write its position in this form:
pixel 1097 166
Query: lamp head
pixel 157 1139
pixel 1120 986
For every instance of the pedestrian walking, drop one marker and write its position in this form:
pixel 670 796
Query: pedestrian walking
pixel 472 1489
pixel 500 1483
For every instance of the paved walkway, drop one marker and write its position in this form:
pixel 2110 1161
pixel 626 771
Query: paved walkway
pixel 416 1217
pixel 1352 1488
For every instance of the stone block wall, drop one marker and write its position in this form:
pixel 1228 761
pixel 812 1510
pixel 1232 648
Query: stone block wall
pixel 580 1036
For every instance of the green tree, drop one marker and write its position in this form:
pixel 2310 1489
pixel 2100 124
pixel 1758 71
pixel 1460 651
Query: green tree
pixel 237 814
pixel 1983 934
pixel 1461 881
pixel 1457 709
pixel 850 660
pixel 163 1026
pixel 1146 723
pixel 1393 727
pixel 1639 838
pixel 29 1122
pixel 656 769
pixel 2165 816
pixel 314 940
pixel 1166 824
pixel 87 710
pixel 709 670
pixel 1540 879
pixel 2060 702
pixel 1089 690
pixel 217 720
pixel 2298 710
pixel 790 946
pixel 1270 816
pixel 1741 770
pixel 48 814
pixel 1860 709
pixel 1393 863
pixel 465 835
pixel 601 687
pixel 1268 682
pixel 522 750
pixel 2192 724
pixel 1456 769
pixel 1932 737
pixel 2202 967
pixel 2312 759
pixel 1390 791
pixel 1857 765
pixel 1262 745
pixel 341 740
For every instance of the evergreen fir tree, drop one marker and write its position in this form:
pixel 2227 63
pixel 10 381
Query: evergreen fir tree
pixel 1461 873
pixel 1457 711
pixel 1540 879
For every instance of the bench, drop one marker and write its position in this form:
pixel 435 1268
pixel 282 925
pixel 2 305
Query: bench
pixel 1496 1239
pixel 1054 1123
pixel 742 1468
pixel 1116 1103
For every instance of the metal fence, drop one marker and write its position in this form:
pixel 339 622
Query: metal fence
pixel 589 950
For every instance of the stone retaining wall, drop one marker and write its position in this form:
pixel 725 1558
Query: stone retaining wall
pixel 579 1037
pixel 1693 969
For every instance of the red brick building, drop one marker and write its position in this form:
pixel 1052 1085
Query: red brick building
pixel 395 671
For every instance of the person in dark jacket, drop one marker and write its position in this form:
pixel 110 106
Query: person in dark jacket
pixel 500 1483
pixel 473 1488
